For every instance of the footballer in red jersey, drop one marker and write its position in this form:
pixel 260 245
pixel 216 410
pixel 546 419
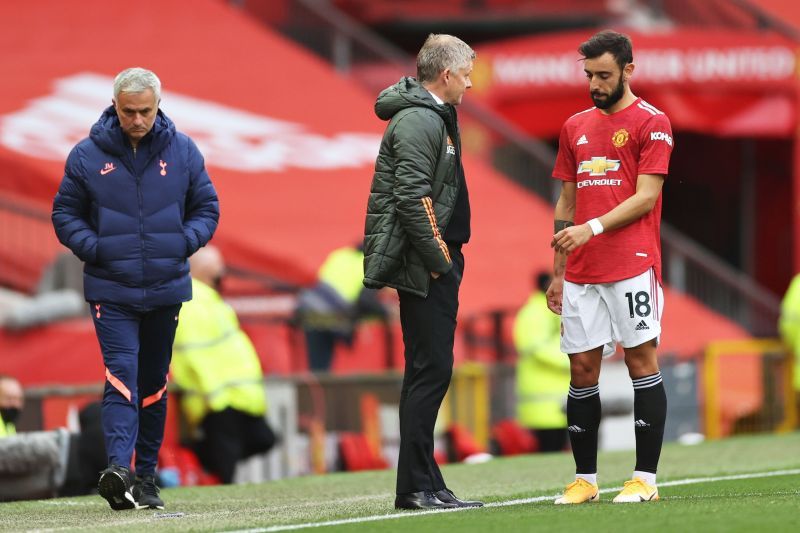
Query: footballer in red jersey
pixel 603 155
pixel 612 161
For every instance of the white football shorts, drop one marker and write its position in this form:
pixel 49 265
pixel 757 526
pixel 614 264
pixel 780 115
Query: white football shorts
pixel 626 312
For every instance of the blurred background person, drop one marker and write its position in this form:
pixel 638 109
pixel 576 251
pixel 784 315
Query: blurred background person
pixel 12 400
pixel 329 311
pixel 87 453
pixel 218 371
pixel 41 464
pixel 789 326
pixel 542 370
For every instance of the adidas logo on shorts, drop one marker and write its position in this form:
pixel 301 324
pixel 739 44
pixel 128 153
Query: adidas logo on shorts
pixel 642 325
pixel 576 429
pixel 641 424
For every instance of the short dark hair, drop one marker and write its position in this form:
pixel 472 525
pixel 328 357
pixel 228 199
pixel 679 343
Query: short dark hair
pixel 542 280
pixel 618 44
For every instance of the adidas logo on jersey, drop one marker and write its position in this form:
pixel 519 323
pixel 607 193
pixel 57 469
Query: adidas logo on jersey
pixel 576 429
pixel 642 325
pixel 641 424
pixel 582 140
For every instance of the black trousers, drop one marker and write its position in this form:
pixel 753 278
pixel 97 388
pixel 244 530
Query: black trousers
pixel 230 436
pixel 320 344
pixel 429 326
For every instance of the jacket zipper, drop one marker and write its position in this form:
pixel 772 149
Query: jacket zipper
pixel 458 165
pixel 141 230
pixel 141 213
pixel 140 198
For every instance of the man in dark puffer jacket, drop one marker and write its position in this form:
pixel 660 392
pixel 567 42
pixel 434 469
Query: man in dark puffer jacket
pixel 418 217
pixel 135 202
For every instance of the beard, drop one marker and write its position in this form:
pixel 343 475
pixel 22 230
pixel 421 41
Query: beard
pixel 611 99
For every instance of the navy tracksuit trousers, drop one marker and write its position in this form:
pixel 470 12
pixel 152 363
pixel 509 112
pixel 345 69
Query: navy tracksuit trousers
pixel 137 349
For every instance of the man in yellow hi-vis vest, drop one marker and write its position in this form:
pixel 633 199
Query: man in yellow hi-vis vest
pixel 789 326
pixel 11 402
pixel 218 371
pixel 542 370
pixel 330 310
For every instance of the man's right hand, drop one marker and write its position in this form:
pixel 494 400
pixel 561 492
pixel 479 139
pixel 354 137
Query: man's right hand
pixel 554 294
pixel 568 239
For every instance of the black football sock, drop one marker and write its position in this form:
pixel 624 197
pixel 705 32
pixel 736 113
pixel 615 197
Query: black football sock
pixel 583 418
pixel 649 416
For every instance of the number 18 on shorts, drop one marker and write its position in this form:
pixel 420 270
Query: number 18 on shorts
pixel 626 312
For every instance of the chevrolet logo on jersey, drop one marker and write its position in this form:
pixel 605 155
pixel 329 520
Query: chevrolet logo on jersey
pixel 598 166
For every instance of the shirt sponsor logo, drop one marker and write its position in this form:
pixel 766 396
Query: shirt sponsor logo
pixel 598 166
pixel 595 183
pixel 661 136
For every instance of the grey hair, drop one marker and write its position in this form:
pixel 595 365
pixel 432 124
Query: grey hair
pixel 441 52
pixel 136 80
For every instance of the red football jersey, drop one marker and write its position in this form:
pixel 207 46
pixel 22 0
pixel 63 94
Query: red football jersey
pixel 604 155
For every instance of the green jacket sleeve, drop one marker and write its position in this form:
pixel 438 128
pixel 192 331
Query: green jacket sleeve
pixel 416 142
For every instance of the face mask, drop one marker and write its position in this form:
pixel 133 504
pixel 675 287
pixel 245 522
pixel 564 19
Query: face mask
pixel 9 414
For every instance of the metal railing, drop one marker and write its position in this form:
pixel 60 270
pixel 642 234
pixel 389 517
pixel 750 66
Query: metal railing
pixel 693 270
pixel 357 52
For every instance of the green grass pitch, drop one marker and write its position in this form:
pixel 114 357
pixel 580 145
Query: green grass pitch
pixel 768 501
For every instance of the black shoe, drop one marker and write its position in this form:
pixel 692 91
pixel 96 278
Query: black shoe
pixel 115 487
pixel 425 499
pixel 447 496
pixel 145 492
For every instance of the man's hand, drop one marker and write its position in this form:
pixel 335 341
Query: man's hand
pixel 568 239
pixel 554 294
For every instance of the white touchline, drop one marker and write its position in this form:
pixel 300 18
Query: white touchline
pixel 394 516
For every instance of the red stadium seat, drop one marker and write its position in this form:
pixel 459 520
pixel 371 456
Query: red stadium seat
pixel 513 439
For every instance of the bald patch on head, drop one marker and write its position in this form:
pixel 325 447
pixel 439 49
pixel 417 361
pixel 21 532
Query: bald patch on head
pixel 11 394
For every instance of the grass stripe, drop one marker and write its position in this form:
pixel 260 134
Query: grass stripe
pixel 522 501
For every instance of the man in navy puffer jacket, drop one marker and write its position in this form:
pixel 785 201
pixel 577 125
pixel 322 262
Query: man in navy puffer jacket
pixel 135 202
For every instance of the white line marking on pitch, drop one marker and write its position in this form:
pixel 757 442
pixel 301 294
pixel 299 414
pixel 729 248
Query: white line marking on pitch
pixel 394 516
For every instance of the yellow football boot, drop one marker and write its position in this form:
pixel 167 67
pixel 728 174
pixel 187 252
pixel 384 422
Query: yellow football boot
pixel 579 491
pixel 636 490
